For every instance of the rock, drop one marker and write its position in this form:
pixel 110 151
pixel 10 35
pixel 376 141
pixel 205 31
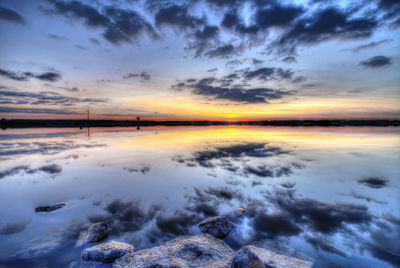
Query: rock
pixel 254 257
pixel 106 252
pixel 218 226
pixel 50 208
pixel 188 251
pixel 97 232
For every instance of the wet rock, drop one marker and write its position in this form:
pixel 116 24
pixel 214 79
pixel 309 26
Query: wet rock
pixel 106 252
pixel 218 226
pixel 97 232
pixel 50 208
pixel 254 257
pixel 188 251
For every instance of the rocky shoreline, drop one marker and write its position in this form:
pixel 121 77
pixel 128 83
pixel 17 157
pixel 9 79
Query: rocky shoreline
pixel 205 250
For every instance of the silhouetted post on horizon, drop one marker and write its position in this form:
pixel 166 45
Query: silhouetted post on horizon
pixel 138 122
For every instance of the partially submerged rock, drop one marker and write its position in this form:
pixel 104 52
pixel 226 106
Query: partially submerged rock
pixel 50 208
pixel 254 257
pixel 106 252
pixel 188 251
pixel 218 226
pixel 97 232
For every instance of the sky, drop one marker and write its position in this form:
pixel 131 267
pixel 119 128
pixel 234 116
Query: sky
pixel 199 59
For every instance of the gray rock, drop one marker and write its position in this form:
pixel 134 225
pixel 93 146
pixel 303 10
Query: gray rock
pixel 50 208
pixel 188 251
pixel 106 252
pixel 97 232
pixel 254 257
pixel 218 226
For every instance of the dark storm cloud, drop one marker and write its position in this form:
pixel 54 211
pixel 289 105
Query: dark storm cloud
pixel 323 25
pixel 57 37
pixel 383 241
pixel 129 216
pixel 24 76
pixel 219 89
pixel 177 16
pixel 275 224
pixel 320 216
pixel 272 73
pixel 11 16
pixel 126 25
pixel 178 223
pixel 232 21
pixel 118 25
pixel 376 62
pixel 254 95
pixel 277 15
pixel 142 75
pixel 15 227
pixel 369 45
pixel 207 33
pixel 391 11
pixel 206 157
pixel 373 182
pixel 40 98
pixel 49 169
pixel 235 158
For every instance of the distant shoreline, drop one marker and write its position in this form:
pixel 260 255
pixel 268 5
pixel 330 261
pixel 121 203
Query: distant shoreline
pixel 46 123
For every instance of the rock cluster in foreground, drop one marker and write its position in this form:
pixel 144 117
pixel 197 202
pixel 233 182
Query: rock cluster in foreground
pixel 206 250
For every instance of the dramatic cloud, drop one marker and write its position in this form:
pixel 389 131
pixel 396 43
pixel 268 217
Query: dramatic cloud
pixel 236 159
pixel 267 74
pixel 46 97
pixel 49 169
pixel 8 150
pixel 319 216
pixel 177 16
pixel 276 15
pixel 233 21
pixel 323 25
pixel 373 182
pixel 207 87
pixel 11 16
pixel 23 76
pixel 376 62
pixel 118 25
pixel 223 51
pixel 126 216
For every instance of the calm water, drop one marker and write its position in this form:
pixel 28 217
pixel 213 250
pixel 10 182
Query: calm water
pixel 331 194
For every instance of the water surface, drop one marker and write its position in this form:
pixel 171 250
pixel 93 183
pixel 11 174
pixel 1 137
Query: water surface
pixel 328 193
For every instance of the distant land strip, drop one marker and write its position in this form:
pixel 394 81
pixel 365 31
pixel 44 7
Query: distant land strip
pixel 46 123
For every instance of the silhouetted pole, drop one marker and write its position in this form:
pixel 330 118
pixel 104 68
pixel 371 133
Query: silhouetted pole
pixel 138 122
